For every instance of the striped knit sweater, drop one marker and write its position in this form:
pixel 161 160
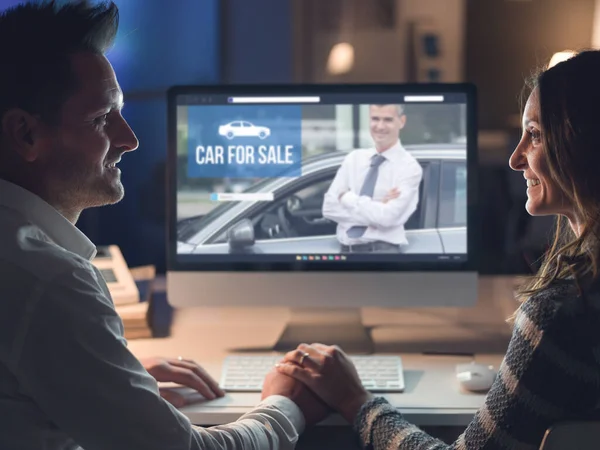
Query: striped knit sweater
pixel 550 374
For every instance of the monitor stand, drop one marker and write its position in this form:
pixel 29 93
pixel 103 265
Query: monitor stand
pixel 330 326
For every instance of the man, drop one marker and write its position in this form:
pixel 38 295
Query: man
pixel 67 379
pixel 375 191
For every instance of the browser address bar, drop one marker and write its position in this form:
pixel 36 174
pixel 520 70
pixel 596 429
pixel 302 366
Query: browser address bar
pixel 274 99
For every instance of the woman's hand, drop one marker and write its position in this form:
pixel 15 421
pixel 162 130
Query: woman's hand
pixel 330 374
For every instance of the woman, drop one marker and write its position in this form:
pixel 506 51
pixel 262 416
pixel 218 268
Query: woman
pixel 551 372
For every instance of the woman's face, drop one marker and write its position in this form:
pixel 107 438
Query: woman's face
pixel 544 196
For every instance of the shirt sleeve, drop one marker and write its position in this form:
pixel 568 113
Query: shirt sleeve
pixel 74 363
pixel 524 400
pixel 332 207
pixel 393 213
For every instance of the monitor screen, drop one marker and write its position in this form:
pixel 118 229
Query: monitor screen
pixel 321 177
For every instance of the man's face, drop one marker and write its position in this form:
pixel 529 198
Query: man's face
pixel 385 124
pixel 78 157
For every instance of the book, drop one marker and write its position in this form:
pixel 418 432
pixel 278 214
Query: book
pixel 135 316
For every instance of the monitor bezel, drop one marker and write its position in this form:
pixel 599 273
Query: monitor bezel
pixel 473 219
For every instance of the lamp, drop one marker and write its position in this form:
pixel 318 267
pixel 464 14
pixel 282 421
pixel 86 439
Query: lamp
pixel 341 58
pixel 341 55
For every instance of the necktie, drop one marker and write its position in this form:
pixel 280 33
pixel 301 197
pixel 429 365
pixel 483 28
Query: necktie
pixel 367 189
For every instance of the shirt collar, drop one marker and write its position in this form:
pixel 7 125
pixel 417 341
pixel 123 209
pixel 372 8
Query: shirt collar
pixel 394 153
pixel 55 225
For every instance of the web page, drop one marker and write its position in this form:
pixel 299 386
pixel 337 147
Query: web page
pixel 328 181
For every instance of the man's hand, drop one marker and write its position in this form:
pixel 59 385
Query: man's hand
pixel 391 195
pixel 328 372
pixel 277 383
pixel 342 194
pixel 184 372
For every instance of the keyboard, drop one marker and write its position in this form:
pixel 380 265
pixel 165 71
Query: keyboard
pixel 246 373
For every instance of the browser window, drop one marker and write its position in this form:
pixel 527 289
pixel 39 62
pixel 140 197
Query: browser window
pixel 336 177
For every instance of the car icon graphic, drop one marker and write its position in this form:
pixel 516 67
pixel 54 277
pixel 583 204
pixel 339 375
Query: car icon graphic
pixel 240 128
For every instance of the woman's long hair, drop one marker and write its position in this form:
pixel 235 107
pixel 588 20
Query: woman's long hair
pixel 569 96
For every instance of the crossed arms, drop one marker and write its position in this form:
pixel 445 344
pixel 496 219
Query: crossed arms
pixel 341 204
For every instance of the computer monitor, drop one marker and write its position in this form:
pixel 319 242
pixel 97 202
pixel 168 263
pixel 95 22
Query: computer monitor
pixel 324 199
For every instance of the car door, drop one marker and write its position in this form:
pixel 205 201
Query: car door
pixel 284 226
pixel 452 210
pixel 248 129
pixel 421 232
pixel 236 129
pixel 298 209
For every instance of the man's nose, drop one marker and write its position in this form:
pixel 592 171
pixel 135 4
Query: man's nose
pixel 127 141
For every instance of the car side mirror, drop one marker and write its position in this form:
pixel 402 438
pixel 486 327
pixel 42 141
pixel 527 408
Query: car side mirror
pixel 241 236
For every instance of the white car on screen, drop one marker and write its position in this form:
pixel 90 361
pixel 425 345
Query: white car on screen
pixel 240 128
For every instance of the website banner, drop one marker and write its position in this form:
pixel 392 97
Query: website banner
pixel 244 141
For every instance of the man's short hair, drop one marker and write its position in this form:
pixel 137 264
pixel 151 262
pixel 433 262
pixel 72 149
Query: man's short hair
pixel 36 43
pixel 399 108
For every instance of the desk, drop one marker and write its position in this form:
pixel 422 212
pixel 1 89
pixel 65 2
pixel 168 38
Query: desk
pixel 432 396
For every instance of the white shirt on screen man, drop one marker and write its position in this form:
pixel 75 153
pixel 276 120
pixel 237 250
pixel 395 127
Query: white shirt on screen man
pixel 384 221
pixel 67 378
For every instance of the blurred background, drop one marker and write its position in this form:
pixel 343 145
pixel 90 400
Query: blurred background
pixel 495 44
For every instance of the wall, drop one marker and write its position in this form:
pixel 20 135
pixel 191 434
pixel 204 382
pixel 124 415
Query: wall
pixel 4 4
pixel 382 52
pixel 448 17
pixel 596 25
pixel 506 40
pixel 259 50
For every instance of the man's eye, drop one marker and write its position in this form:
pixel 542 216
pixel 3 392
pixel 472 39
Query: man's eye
pixel 101 119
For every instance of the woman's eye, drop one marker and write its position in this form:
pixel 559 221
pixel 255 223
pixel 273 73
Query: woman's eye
pixel 535 136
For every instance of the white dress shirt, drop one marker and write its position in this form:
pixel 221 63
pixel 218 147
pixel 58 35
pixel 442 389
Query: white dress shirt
pixel 67 378
pixel 384 221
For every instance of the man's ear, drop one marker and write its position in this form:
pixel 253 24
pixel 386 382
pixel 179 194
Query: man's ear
pixel 402 121
pixel 20 129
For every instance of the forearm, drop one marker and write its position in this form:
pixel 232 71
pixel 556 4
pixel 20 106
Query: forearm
pixel 275 424
pixel 380 426
pixel 380 214
pixel 335 211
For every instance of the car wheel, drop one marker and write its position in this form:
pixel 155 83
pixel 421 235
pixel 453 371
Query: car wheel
pixel 229 135
pixel 262 135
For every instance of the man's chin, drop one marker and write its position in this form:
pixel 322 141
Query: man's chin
pixel 110 195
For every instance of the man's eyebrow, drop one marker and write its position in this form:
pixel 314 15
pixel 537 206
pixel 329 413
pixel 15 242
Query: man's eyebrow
pixel 112 105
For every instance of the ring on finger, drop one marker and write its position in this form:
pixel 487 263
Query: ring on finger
pixel 304 355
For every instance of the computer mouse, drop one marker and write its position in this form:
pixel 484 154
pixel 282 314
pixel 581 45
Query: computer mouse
pixel 475 377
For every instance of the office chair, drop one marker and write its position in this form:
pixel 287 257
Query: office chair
pixel 583 435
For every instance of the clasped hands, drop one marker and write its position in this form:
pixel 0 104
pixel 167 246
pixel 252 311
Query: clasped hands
pixel 319 378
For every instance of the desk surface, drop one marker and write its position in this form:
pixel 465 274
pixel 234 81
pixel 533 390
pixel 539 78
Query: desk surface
pixel 432 396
